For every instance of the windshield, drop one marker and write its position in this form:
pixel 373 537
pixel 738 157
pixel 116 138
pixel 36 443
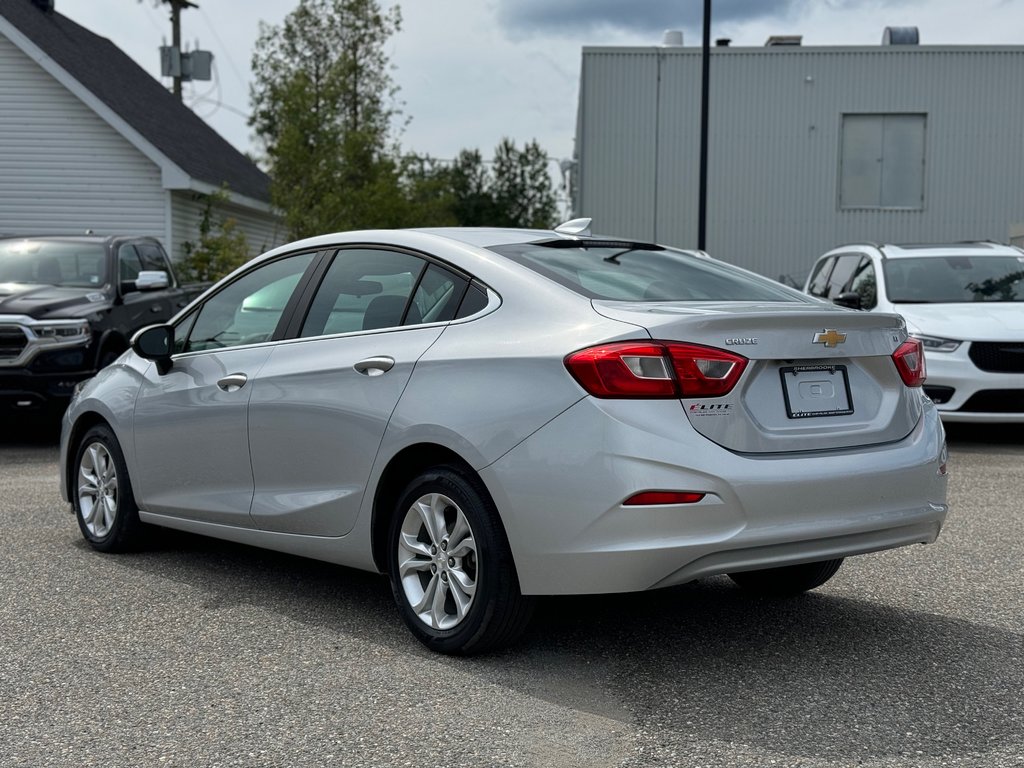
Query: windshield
pixel 52 262
pixel 637 272
pixel 954 279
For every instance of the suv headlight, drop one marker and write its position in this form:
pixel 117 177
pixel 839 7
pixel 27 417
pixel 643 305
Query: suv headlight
pixel 937 344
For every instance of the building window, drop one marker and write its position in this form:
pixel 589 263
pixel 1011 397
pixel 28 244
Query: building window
pixel 881 161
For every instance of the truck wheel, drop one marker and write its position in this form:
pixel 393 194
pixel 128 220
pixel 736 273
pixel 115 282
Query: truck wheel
pixel 102 494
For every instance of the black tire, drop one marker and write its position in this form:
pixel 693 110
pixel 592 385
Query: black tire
pixel 497 612
pixel 107 357
pixel 107 527
pixel 788 580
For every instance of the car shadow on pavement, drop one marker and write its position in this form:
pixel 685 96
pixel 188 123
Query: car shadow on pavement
pixel 819 676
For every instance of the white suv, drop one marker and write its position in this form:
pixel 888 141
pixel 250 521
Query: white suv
pixel 965 301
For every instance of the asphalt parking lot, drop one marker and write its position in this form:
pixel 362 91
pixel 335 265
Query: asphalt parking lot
pixel 202 653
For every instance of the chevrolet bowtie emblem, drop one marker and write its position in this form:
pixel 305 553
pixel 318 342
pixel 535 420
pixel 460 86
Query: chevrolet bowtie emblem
pixel 829 337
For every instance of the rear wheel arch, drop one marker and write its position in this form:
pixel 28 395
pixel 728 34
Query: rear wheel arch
pixel 404 467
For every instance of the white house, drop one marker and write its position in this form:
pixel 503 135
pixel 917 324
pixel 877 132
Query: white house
pixel 90 141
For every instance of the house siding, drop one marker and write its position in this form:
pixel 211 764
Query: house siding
pixel 262 231
pixel 63 169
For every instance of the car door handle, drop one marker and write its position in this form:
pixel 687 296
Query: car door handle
pixel 375 366
pixel 233 382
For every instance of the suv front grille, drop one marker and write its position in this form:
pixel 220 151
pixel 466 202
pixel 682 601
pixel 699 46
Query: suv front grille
pixel 12 342
pixel 998 356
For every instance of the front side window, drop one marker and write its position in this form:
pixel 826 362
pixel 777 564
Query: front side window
pixel 882 161
pixel 954 279
pixel 153 258
pixel 865 285
pixel 842 273
pixel 248 310
pixel 129 264
pixel 53 262
pixel 637 272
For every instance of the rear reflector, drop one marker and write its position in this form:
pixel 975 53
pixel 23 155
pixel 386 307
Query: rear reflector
pixel 651 498
pixel 655 369
pixel 909 359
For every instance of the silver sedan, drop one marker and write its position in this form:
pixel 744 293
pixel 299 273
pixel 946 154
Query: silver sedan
pixel 489 415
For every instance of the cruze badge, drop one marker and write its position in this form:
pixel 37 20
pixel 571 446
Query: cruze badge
pixel 733 342
pixel 830 337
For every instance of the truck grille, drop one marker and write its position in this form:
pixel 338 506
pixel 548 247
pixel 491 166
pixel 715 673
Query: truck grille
pixel 998 356
pixel 12 342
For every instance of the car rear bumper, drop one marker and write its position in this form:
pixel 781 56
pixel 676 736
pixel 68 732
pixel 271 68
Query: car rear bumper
pixel 561 494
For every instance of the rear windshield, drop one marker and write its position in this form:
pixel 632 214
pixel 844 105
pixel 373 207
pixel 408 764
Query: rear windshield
pixel 645 273
pixel 53 262
pixel 954 279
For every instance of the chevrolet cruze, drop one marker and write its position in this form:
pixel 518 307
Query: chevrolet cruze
pixel 488 415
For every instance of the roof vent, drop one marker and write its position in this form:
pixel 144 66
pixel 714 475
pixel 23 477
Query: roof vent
pixel 46 6
pixel 900 36
pixel 779 41
pixel 673 38
pixel 723 42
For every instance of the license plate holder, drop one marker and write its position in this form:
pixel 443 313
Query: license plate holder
pixel 813 391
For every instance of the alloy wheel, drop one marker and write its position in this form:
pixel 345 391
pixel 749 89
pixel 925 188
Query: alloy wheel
pixel 97 489
pixel 437 561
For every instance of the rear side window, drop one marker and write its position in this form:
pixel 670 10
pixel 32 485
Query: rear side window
pixel 632 272
pixel 365 289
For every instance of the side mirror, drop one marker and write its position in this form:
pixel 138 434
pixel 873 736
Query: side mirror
pixel 152 280
pixel 849 299
pixel 155 342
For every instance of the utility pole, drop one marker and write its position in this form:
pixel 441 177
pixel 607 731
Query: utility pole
pixel 182 67
pixel 702 213
pixel 176 7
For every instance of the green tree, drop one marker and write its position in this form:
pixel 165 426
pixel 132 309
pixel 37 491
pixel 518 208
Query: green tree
pixel 522 186
pixel 515 190
pixel 221 246
pixel 323 111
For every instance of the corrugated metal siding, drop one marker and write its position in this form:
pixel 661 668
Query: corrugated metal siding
pixel 262 230
pixel 775 125
pixel 63 169
pixel 617 155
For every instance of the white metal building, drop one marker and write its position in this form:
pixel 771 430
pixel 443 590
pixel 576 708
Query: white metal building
pixel 809 147
pixel 89 141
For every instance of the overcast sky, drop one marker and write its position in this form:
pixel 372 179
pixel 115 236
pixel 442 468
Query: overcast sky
pixel 473 71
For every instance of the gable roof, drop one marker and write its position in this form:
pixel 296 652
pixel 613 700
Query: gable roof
pixel 143 103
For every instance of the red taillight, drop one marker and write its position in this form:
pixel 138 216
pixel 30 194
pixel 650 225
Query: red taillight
pixel 909 359
pixel 655 369
pixel 650 498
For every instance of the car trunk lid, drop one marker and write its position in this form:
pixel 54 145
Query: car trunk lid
pixel 817 378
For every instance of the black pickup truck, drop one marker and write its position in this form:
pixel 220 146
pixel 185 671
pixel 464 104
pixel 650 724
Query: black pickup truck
pixel 69 305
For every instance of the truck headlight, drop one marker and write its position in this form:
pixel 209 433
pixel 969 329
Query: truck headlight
pixel 65 332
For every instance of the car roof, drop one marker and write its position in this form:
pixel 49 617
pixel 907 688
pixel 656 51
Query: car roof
pixel 98 239
pixel 912 250
pixel 949 249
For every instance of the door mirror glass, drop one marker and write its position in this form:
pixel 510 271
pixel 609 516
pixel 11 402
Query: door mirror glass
pixel 155 343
